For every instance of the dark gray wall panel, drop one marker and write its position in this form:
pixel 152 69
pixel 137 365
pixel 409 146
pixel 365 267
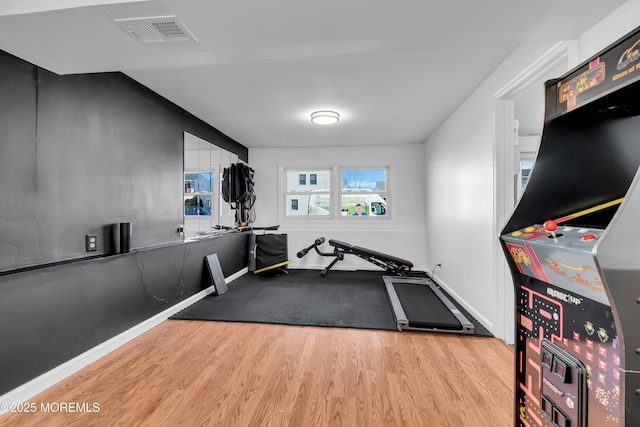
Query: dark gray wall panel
pixel 81 152
pixel 106 154
pixel 18 176
pixel 56 313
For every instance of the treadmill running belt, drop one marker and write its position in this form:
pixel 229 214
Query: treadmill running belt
pixel 423 307
pixel 418 304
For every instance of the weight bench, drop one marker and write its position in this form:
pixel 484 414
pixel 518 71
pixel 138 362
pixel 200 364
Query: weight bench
pixel 340 249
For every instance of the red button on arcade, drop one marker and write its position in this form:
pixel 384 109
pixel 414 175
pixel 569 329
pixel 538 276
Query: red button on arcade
pixel 588 237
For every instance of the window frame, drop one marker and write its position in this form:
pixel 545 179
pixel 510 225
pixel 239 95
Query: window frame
pixel 384 195
pixel 304 193
pixel 335 193
pixel 214 195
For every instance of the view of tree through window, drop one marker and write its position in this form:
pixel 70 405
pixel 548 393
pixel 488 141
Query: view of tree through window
pixel 364 192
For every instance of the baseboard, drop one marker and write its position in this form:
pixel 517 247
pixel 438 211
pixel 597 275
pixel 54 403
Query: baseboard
pixel 479 317
pixel 39 384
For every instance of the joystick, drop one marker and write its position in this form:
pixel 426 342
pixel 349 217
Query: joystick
pixel 550 227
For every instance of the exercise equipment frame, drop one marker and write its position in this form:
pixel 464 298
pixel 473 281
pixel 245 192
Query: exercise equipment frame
pixel 390 263
pixel 402 319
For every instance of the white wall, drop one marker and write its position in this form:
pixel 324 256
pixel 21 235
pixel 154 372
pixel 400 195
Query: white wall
pixel 459 160
pixel 608 31
pixel 443 191
pixel 403 235
pixel 459 190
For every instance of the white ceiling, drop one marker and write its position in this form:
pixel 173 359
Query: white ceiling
pixel 393 69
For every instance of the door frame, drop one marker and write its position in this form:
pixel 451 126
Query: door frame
pixel 505 173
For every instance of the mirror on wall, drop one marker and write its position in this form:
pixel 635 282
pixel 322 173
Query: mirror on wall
pixel 203 207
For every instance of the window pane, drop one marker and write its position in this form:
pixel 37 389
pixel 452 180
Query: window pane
pixel 525 168
pixel 308 204
pixel 370 179
pixel 370 204
pixel 313 179
pixel 294 180
pixel 198 182
pixel 359 208
pixel 197 205
pixel 205 202
pixel 364 192
pixel 205 182
pixel 190 183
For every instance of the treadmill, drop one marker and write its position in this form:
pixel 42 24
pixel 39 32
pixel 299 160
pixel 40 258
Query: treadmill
pixel 419 305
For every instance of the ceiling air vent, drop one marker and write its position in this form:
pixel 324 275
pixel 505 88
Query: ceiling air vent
pixel 157 29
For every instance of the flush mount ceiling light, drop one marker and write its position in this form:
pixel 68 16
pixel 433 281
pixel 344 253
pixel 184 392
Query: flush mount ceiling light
pixel 325 117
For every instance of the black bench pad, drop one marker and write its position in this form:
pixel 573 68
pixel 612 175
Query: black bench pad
pixel 369 253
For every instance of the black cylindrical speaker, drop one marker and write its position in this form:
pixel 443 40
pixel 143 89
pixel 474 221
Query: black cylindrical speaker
pixel 125 237
pixel 115 238
pixel 251 261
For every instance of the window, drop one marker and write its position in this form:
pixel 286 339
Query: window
pixel 198 192
pixel 203 207
pixel 525 170
pixel 313 199
pixel 363 192
pixel 357 192
pixel 527 161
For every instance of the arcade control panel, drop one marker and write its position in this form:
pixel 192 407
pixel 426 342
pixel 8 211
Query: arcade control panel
pixel 568 352
pixel 560 255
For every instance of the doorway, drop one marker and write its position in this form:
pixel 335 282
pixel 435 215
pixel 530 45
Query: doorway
pixel 519 116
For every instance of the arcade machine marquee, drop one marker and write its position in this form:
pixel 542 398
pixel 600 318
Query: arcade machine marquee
pixel 573 248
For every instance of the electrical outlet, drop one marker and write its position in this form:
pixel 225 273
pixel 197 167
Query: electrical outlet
pixel 91 242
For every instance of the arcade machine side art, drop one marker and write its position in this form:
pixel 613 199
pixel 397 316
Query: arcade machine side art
pixel 574 254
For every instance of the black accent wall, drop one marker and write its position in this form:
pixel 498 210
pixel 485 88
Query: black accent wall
pixel 79 153
pixel 53 314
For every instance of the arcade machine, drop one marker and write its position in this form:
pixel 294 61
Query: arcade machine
pixel 573 248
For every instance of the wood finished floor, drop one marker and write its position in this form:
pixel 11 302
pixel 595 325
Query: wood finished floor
pixel 198 373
